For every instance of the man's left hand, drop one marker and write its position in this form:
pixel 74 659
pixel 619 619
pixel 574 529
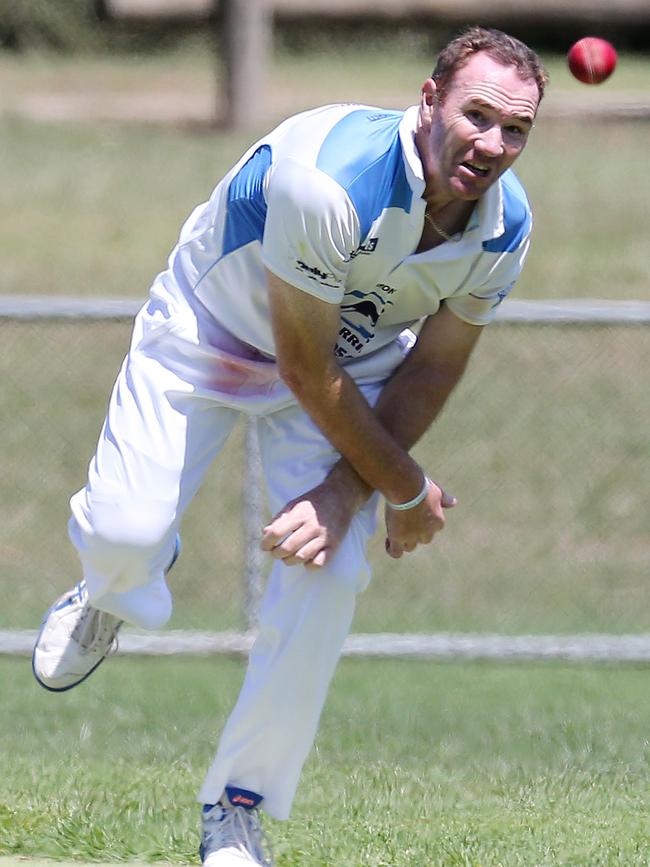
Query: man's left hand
pixel 405 530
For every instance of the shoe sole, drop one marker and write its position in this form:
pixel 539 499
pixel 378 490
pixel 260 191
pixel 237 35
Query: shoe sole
pixel 71 685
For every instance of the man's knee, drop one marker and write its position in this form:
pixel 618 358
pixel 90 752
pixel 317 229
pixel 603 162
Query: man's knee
pixel 127 541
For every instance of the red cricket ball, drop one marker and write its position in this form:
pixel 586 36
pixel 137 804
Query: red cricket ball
pixel 592 60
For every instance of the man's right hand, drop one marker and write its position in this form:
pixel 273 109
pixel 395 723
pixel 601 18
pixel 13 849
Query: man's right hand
pixel 309 529
pixel 405 530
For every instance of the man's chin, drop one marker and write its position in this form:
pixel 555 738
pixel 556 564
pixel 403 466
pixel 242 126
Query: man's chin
pixel 469 191
pixel 465 195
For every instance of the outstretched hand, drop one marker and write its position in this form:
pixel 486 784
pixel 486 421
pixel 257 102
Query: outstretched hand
pixel 405 530
pixel 309 529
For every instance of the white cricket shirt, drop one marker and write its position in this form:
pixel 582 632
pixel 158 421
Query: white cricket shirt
pixel 331 202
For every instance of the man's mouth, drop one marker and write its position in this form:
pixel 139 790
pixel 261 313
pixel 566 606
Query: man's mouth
pixel 477 169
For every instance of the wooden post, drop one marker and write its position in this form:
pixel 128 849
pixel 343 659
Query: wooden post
pixel 247 41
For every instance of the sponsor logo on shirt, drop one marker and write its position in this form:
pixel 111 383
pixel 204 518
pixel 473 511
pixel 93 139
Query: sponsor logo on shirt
pixel 351 339
pixel 324 277
pixel 359 319
pixel 365 249
pixel 365 308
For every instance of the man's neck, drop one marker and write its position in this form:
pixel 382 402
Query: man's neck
pixel 443 223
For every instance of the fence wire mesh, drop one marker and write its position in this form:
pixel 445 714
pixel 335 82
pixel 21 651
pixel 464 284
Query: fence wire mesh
pixel 545 444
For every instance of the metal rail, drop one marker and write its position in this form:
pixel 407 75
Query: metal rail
pixel 591 311
pixel 585 648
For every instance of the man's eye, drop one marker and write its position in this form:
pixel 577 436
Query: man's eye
pixel 517 131
pixel 475 115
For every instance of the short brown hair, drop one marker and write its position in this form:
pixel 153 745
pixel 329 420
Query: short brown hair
pixel 499 46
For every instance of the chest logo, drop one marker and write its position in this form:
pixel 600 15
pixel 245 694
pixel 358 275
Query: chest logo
pixel 364 308
pixel 359 319
pixel 365 249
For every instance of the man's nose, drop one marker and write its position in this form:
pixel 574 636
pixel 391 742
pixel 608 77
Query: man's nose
pixel 490 142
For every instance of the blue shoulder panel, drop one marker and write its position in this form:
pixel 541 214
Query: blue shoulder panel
pixel 246 213
pixel 516 216
pixel 363 153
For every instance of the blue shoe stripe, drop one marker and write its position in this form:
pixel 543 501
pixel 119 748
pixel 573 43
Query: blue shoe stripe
pixel 177 553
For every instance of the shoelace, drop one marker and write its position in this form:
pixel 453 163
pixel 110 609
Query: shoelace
pixel 238 827
pixel 96 630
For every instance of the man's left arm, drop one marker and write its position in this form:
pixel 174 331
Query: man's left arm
pixel 417 391
pixel 415 395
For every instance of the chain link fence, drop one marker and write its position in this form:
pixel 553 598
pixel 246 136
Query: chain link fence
pixel 545 444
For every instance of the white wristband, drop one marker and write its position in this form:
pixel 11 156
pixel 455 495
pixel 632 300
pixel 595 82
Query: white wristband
pixel 403 507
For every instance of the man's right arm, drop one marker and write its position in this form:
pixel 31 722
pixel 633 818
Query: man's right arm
pixel 305 330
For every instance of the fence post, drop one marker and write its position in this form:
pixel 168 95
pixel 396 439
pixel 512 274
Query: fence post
pixel 253 512
pixel 247 37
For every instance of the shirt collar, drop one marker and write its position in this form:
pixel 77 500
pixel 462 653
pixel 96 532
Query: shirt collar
pixel 412 161
pixel 489 213
pixel 487 217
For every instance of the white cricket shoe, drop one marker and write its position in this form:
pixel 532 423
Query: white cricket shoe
pixel 74 639
pixel 232 835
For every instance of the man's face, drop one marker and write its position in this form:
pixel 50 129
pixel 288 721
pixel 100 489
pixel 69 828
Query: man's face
pixel 480 127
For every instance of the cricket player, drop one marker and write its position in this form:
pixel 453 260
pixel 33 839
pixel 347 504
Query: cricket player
pixel 334 286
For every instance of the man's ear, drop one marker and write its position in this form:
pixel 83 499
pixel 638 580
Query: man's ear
pixel 429 91
pixel 427 105
pixel 425 121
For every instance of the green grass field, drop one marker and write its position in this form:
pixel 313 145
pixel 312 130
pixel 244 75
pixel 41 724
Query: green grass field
pixel 545 444
pixel 416 764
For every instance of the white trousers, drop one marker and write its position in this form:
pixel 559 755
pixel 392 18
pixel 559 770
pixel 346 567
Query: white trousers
pixel 169 415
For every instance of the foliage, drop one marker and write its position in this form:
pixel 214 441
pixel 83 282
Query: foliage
pixel 64 25
pixel 78 27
